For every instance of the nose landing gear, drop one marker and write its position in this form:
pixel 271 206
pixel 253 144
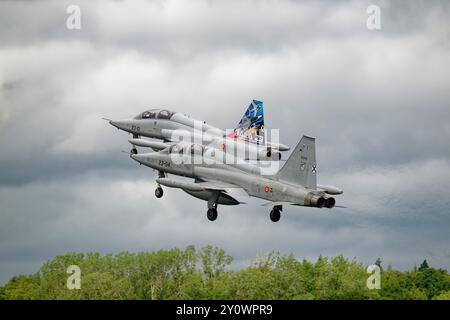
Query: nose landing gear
pixel 134 150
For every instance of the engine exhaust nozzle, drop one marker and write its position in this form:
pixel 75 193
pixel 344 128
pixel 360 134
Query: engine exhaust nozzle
pixel 329 202
pixel 317 201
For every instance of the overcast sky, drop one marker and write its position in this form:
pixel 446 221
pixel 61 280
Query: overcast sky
pixel 378 102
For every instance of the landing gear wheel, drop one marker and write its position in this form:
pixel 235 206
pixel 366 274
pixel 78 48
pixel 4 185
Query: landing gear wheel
pixel 134 151
pixel 275 215
pixel 159 192
pixel 212 214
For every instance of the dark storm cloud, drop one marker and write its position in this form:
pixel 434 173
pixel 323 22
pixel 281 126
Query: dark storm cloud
pixel 377 101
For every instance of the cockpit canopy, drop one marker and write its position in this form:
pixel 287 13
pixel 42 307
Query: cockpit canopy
pixel 155 114
pixel 185 148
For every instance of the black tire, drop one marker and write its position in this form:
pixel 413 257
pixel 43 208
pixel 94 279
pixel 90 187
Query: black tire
pixel 275 215
pixel 134 151
pixel 212 214
pixel 159 192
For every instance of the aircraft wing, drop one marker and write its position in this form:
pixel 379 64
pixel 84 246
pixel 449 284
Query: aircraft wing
pixel 231 190
pixel 197 185
pixel 280 203
pixel 216 185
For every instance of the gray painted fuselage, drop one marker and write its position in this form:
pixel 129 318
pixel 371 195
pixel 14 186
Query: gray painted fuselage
pixel 248 177
pixel 176 127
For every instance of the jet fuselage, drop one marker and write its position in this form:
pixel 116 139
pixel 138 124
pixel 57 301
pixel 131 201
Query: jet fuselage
pixel 246 176
pixel 173 126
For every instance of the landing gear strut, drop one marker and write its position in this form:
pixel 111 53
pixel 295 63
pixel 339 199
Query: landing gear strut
pixel 134 150
pixel 275 214
pixel 159 191
pixel 212 207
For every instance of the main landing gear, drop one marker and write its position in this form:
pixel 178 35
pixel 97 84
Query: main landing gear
pixel 212 207
pixel 159 192
pixel 275 214
pixel 212 214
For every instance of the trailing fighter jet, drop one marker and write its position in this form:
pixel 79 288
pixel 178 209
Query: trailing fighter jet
pixel 215 179
pixel 247 140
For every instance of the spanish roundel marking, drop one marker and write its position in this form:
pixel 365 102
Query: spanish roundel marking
pixel 266 189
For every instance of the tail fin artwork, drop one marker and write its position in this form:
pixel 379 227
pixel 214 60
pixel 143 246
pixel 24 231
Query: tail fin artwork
pixel 300 168
pixel 251 126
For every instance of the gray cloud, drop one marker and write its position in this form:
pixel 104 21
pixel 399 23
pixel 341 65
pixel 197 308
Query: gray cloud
pixel 376 100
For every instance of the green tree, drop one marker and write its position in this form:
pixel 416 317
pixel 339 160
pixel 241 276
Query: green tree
pixel 424 265
pixel 205 274
pixel 432 281
pixel 378 263
pixel 443 296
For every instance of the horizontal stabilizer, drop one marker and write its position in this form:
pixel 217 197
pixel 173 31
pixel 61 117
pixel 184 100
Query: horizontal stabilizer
pixel 278 146
pixel 330 189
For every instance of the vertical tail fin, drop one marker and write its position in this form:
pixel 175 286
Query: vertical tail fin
pixel 300 168
pixel 251 126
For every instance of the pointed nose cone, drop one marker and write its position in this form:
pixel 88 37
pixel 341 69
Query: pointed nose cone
pixel 121 124
pixel 138 157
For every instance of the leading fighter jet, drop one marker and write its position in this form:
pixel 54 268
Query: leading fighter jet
pixel 214 179
pixel 247 139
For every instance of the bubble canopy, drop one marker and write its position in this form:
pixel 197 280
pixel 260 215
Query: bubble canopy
pixel 155 114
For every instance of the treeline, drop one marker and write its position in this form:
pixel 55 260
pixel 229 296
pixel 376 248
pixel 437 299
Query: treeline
pixel 206 274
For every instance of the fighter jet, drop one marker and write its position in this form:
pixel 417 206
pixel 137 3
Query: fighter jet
pixel 247 139
pixel 215 179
